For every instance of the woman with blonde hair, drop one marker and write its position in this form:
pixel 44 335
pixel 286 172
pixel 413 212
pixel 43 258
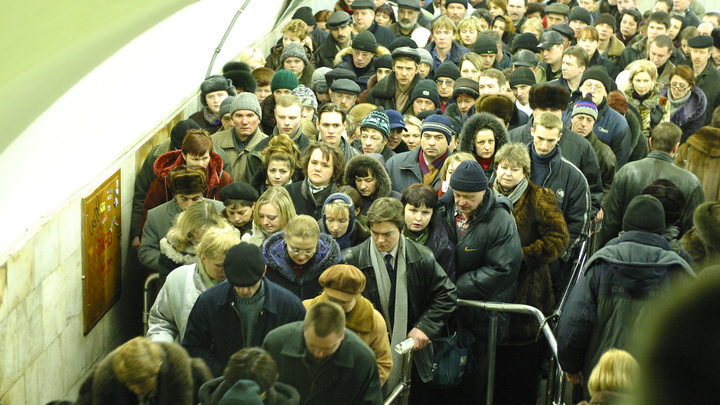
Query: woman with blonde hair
pixel 178 247
pixel 615 376
pixel 642 92
pixel 280 160
pixel 412 132
pixel 471 66
pixel 273 210
pixel 505 27
pixel 254 57
pixel 468 30
pixel 170 312
pixel 297 256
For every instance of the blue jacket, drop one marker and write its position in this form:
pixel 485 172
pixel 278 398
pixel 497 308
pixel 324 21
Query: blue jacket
pixel 456 52
pixel 612 129
pixel 214 330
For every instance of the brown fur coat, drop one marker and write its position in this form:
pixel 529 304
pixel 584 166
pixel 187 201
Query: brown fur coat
pixel 544 237
pixel 179 380
pixel 700 155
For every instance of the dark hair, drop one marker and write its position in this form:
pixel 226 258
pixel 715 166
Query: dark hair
pixel 668 3
pixel 328 151
pixel 331 108
pixel 671 198
pixel 419 194
pixel 361 170
pixel 535 8
pixel 580 55
pixel 665 136
pixel 353 194
pixel 387 9
pixel 636 15
pixel 483 14
pixel 197 142
pixel 663 41
pixel 660 17
pixel 386 209
pixel 252 363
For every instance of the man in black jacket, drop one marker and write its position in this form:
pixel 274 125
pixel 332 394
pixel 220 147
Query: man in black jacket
pixel 394 90
pixel 406 285
pixel 364 16
pixel 240 312
pixel 340 25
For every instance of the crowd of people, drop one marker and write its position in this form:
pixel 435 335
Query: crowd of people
pixel 339 192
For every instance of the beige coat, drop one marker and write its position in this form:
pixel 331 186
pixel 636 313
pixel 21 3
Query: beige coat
pixel 240 169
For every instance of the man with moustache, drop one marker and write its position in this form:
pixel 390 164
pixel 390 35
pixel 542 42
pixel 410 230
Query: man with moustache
pixel 408 12
pixel 340 25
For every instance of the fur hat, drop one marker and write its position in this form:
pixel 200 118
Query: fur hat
pixel 239 191
pixel 177 135
pixel 241 76
pixel 244 265
pixel 215 83
pixel 365 41
pixel 498 105
pixel 378 120
pixel 447 69
pixel 187 180
pixel 426 88
pixel 343 281
pixel 707 223
pixel 549 95
pixel 246 101
pixel 284 79
pixel 644 213
pixel 293 50
pixel 306 96
pixel 469 177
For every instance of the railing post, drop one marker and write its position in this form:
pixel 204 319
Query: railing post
pixel 492 347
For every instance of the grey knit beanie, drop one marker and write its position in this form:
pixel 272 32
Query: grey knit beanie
pixel 246 101
pixel 295 50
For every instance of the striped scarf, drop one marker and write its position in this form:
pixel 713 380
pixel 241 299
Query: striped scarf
pixel 430 170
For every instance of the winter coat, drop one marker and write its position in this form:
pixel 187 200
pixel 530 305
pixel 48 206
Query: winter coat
pixel 282 270
pixel 369 325
pixel 599 60
pixel 469 132
pixel 611 296
pixel 211 127
pixel 169 313
pixel 178 381
pixel 145 177
pixel 159 221
pixel 544 237
pixel 343 59
pixel 267 122
pixel 383 35
pixel 279 394
pixel 638 50
pixel 307 203
pixel 244 164
pixel 606 160
pixel 383 94
pixel 363 97
pixel 639 142
pixel 614 49
pixel 488 258
pixel 456 52
pixel 644 107
pixel 356 232
pixel 325 54
pixel 431 295
pixel 613 129
pixel 348 377
pixel 700 155
pixel 404 170
pixel 573 197
pixel 631 180
pixel 160 192
pixel 384 185
pixel 689 117
pixel 708 81
pixel 579 152
pixel 439 243
pixel 215 332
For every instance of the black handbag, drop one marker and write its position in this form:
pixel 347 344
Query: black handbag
pixel 451 357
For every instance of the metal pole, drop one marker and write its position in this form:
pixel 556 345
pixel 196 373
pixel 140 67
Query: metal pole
pixel 153 278
pixel 224 38
pixel 402 390
pixel 492 346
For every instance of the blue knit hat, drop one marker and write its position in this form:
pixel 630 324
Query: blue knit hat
pixel 438 123
pixel 469 177
pixel 378 120
pixel 585 106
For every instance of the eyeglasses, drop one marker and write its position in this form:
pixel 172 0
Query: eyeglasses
pixel 445 82
pixel 297 251
pixel 596 87
pixel 678 86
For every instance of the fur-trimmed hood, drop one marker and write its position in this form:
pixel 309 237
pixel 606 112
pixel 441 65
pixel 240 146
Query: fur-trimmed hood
pixel 707 141
pixel 277 258
pixel 476 123
pixel 384 184
pixel 170 160
pixel 381 50
pixel 187 256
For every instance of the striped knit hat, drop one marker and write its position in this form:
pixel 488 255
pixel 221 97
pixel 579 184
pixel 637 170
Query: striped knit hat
pixel 585 106
pixel 377 119
pixel 438 123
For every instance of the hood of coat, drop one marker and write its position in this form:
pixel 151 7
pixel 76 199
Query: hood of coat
pixel 351 221
pixel 476 123
pixel 384 184
pixel 706 140
pixel 277 257
pixel 641 261
pixel 173 159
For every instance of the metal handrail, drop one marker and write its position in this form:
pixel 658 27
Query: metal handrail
pixel 147 299
pixel 554 379
pixel 402 390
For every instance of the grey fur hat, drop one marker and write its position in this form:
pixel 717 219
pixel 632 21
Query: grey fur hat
pixel 215 83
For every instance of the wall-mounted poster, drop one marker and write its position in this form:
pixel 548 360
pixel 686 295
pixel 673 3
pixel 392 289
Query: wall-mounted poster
pixel 102 253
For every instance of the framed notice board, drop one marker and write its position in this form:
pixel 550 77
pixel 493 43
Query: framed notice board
pixel 102 263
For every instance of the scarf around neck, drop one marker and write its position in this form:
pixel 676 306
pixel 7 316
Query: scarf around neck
pixel 516 193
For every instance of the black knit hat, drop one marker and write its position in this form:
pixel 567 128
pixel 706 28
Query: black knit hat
pixel 484 45
pixel 365 41
pixel 305 13
pixel 426 88
pixel 580 14
pixel 644 213
pixel 600 74
pixel 215 83
pixel 244 265
pixel 469 177
pixel 239 191
pixel 447 69
pixel 383 61
pixel 606 18
pixel 522 75
pixel 177 135
pixel 528 41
